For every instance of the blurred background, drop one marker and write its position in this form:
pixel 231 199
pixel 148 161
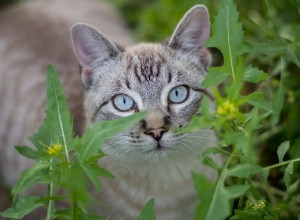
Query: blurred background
pixel 273 28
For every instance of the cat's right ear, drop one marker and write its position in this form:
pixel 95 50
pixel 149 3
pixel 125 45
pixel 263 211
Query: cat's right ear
pixel 191 33
pixel 91 48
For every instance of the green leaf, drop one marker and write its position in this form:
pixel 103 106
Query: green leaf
pixel 23 207
pixel 287 173
pixel 244 170
pixel 277 102
pixel 220 206
pixel 205 189
pixel 258 100
pixel 94 137
pixel 214 77
pixel 282 149
pixel 269 48
pixel 93 171
pixel 254 75
pixel 227 36
pixel 265 175
pixel 42 138
pixel 27 152
pixel 293 54
pixel 235 191
pixel 30 177
pixel 148 212
pixel 58 118
pixel 75 182
pixel 208 161
pixel 235 87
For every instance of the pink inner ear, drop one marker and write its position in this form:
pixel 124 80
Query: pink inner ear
pixel 205 57
pixel 86 76
pixel 83 57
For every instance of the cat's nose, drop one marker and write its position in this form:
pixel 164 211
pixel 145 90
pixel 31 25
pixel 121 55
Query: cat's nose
pixel 156 133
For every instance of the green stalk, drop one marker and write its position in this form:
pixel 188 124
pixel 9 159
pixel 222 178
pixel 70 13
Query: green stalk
pixel 74 207
pixel 280 164
pixel 51 194
pixel 220 181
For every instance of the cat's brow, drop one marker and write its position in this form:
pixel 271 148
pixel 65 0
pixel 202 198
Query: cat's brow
pixel 205 92
pixel 97 110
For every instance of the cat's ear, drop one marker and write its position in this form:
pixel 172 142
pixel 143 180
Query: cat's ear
pixel 91 48
pixel 191 32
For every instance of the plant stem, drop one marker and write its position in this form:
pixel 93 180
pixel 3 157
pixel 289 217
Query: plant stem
pixel 51 193
pixel 74 207
pixel 280 164
pixel 220 181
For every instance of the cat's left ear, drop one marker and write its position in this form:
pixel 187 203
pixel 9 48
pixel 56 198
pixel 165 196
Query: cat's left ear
pixel 191 32
pixel 91 48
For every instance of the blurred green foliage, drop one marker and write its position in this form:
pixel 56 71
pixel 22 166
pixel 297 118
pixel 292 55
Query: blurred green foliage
pixel 272 27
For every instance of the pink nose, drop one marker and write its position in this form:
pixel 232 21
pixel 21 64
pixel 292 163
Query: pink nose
pixel 156 133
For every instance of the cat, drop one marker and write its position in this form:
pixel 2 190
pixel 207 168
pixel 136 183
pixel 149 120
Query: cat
pixel 34 34
pixel 148 160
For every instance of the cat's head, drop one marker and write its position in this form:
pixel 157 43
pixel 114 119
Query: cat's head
pixel 161 79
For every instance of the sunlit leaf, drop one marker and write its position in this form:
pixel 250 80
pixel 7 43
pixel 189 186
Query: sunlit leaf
pixel 227 36
pixel 58 118
pixel 254 75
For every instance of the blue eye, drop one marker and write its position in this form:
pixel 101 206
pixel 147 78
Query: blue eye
pixel 178 94
pixel 123 103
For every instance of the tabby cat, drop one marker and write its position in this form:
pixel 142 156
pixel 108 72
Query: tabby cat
pixel 148 160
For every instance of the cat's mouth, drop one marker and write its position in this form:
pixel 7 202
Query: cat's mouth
pixel 159 147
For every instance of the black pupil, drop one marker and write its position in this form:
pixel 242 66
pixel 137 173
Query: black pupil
pixel 176 92
pixel 124 100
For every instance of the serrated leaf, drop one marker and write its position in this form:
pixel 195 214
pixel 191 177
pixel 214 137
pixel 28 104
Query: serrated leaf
pixel 254 75
pixel 214 77
pixel 287 173
pixel 27 152
pixel 94 137
pixel 23 207
pixel 30 177
pixel 148 212
pixel 93 171
pixel 244 170
pixel 258 100
pixel 58 118
pixel 42 137
pixel 282 149
pixel 234 88
pixel 227 36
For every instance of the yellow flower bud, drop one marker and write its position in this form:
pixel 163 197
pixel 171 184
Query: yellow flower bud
pixel 54 149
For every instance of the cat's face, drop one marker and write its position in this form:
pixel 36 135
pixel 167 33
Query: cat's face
pixel 161 79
